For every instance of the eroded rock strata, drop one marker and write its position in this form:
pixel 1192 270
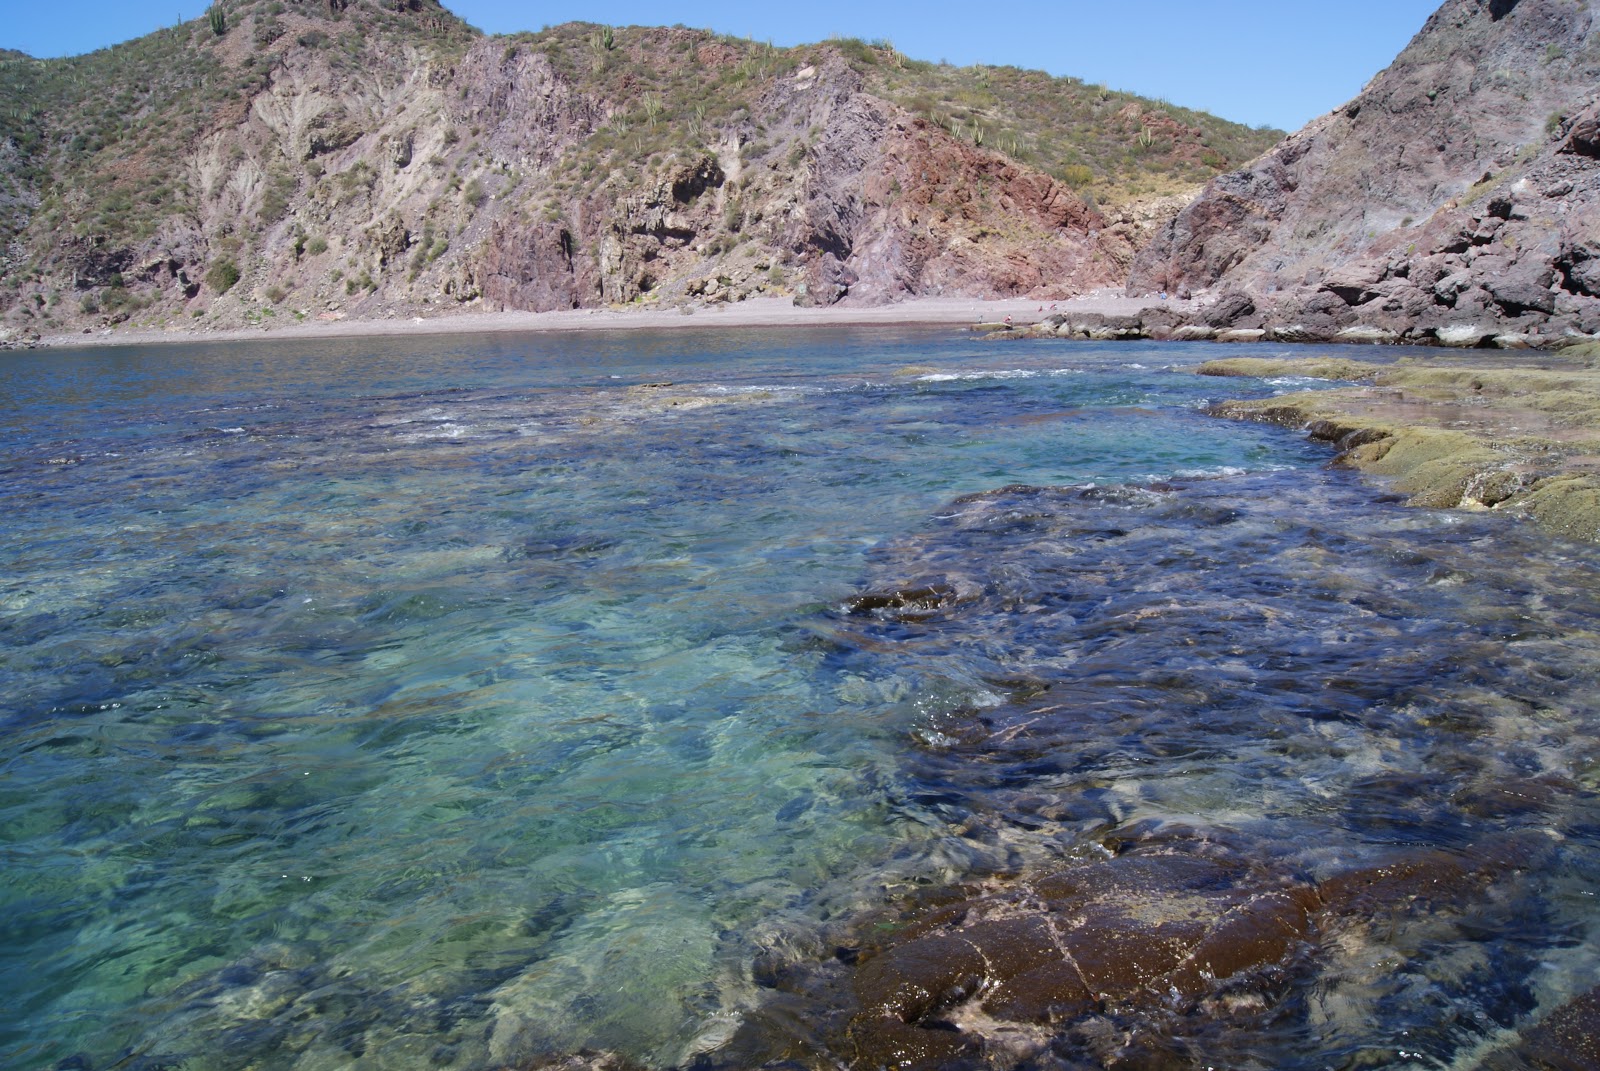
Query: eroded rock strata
pixel 1457 199
pixel 300 159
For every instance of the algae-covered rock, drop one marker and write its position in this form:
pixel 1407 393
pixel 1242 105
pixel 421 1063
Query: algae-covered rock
pixel 1568 1039
pixel 1170 932
pixel 1434 467
pixel 1569 505
pixel 1465 435
pixel 1310 367
pixel 1155 929
pixel 1581 347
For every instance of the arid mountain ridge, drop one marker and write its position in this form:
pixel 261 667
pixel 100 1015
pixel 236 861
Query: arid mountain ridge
pixel 286 159
pixel 1456 200
pixel 298 158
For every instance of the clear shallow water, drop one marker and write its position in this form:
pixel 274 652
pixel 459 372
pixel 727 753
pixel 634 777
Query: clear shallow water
pixel 442 703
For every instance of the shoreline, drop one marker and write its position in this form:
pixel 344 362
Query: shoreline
pixel 754 313
pixel 1469 433
pixel 1445 445
pixel 1104 315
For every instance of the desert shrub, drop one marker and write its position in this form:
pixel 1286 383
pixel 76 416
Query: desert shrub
pixel 356 181
pixel 316 245
pixel 222 274
pixel 267 30
pixel 1077 175
pixel 275 199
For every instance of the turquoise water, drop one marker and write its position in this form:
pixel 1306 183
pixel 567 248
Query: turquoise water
pixel 444 703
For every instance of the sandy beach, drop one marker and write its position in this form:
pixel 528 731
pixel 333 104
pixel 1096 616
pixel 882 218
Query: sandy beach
pixel 756 312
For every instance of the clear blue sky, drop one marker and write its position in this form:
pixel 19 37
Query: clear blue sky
pixel 1272 62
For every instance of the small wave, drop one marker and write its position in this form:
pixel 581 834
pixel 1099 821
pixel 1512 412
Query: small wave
pixel 757 388
pixel 1210 472
pixel 1009 373
pixel 441 431
pixel 1217 470
pixel 252 407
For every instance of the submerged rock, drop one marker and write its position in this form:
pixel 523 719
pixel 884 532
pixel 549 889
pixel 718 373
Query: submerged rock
pixel 1568 1040
pixel 1172 935
pixel 1150 931
pixel 1389 878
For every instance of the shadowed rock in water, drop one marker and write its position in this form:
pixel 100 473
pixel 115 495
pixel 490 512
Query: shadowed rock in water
pixel 1569 1040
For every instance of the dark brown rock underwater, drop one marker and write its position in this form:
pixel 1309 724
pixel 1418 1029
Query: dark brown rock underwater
pixel 1346 916
pixel 1160 954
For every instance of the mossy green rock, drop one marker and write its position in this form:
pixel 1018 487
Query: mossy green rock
pixel 1310 367
pixel 1515 435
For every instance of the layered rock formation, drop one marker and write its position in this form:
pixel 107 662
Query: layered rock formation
pixel 373 157
pixel 1456 200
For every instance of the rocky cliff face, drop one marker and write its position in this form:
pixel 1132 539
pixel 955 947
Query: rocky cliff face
pixel 1456 199
pixel 371 157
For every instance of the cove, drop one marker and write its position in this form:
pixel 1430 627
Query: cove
pixel 460 703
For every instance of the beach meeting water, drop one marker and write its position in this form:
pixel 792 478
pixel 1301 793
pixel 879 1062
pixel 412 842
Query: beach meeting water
pixel 835 697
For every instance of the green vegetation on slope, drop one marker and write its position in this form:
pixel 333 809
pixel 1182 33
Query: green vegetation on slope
pixel 95 149
pixel 1120 145
pixel 682 83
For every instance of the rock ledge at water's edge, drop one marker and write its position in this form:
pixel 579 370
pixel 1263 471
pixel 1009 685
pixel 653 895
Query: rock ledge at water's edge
pixel 1517 436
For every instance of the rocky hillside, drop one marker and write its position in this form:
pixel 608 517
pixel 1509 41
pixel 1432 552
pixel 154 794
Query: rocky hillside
pixel 298 158
pixel 1457 199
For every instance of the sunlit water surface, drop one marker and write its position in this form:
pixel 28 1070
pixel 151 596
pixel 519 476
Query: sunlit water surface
pixel 442 703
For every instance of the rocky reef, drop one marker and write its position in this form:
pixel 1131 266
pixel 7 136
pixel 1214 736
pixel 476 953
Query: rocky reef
pixel 1140 958
pixel 1459 434
pixel 1349 915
